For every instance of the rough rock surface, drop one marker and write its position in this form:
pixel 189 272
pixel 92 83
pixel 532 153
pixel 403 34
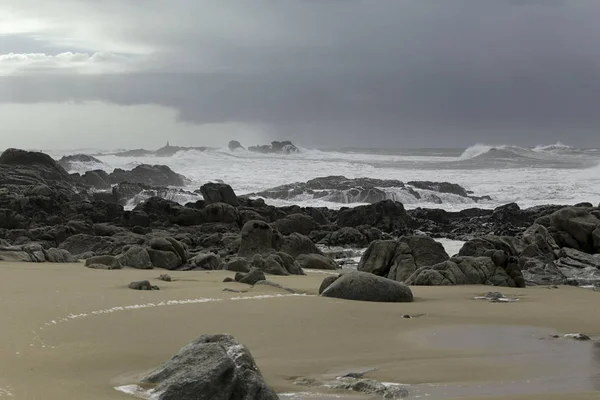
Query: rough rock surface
pixel 213 367
pixel 219 193
pixel 399 259
pixel 316 261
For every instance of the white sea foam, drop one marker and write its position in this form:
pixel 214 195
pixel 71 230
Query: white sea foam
pixel 535 177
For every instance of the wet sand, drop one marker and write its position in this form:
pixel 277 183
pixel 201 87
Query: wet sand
pixel 69 332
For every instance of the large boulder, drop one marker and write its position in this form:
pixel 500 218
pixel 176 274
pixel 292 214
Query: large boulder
pixel 45 165
pixel 363 286
pixel 155 175
pixel 295 223
pixel 136 257
pixel 575 227
pixel 251 277
pixel 76 161
pixel 209 261
pixel 258 237
pixel 399 259
pixel 213 367
pixel 221 212
pixel 316 261
pixel 218 193
pixel 297 244
pixel 387 215
pixel 54 255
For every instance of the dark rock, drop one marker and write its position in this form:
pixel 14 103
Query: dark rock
pixel 54 255
pixel 316 261
pixel 111 262
pixel 250 278
pixel 327 282
pixel 70 162
pixel 46 166
pixel 164 259
pixel 155 175
pixel 297 244
pixel 285 147
pixel 213 367
pixel 237 264
pixel 221 212
pixel 578 226
pixel 165 277
pixel 97 179
pixel 136 257
pixel 142 285
pixel 368 287
pixel 389 216
pixel 219 193
pixel 234 145
pixel 209 261
pixel 257 237
pixel 295 223
pixel 399 259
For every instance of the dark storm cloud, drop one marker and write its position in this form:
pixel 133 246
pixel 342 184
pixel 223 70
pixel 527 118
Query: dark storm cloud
pixel 405 73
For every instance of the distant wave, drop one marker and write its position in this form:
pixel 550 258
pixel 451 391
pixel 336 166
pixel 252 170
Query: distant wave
pixel 478 150
pixel 557 146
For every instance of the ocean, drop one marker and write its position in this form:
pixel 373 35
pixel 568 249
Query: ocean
pixel 555 174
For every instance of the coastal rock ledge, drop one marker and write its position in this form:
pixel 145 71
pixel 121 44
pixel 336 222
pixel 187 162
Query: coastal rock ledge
pixel 212 367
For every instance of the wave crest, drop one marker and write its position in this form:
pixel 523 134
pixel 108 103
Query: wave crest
pixel 478 150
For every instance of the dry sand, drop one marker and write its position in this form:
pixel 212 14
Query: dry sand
pixel 61 336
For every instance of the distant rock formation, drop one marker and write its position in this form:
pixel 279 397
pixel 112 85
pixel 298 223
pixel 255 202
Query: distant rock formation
pixel 69 162
pixel 285 147
pixel 234 145
pixel 166 151
pixel 339 189
pixel 155 175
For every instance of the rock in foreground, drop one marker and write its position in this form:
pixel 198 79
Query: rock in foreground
pixel 213 367
pixel 364 286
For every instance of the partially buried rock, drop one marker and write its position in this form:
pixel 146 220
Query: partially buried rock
pixel 316 261
pixel 142 285
pixel 326 282
pixel 165 277
pixel 251 277
pixel 364 286
pixel 103 262
pixel 213 367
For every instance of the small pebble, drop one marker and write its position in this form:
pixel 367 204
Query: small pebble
pixel 406 316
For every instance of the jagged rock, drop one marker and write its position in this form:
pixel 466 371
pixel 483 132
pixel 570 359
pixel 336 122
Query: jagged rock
pixel 285 147
pixel 539 272
pixel 399 259
pixel 219 193
pixel 136 257
pixel 97 179
pixel 576 226
pixel 316 261
pixel 142 285
pixel 368 287
pixel 213 367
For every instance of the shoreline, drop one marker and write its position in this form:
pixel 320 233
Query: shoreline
pixel 306 336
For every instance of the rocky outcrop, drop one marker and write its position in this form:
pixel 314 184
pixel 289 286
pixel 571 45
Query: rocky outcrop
pixel 340 189
pixel 213 367
pixel 295 223
pixel 72 162
pixel 576 227
pixel 235 145
pixel 258 238
pixel 399 259
pixel 499 270
pixel 285 147
pixel 389 216
pixel 251 277
pixel 153 175
pixel 167 253
pixel 363 286
pixel 219 193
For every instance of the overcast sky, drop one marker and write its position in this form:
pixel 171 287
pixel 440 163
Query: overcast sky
pixel 363 73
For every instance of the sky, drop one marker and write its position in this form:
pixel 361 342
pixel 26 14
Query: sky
pixel 323 73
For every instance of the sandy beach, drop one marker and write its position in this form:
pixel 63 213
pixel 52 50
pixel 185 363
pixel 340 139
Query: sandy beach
pixel 69 332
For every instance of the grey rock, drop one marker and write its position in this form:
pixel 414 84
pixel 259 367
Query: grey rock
pixel 251 277
pixel 219 193
pixel 165 277
pixel 164 259
pixel 208 261
pixel 136 257
pixel 213 367
pixel 297 244
pixel 327 282
pixel 316 261
pixel 142 285
pixel 54 255
pixel 237 264
pixel 257 237
pixel 368 287
pixel 110 262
